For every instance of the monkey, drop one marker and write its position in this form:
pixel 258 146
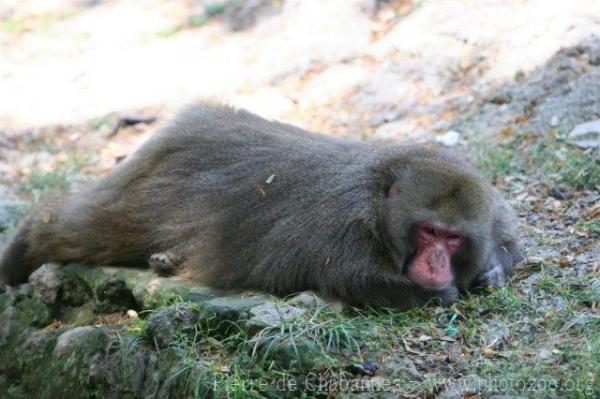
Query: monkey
pixel 225 198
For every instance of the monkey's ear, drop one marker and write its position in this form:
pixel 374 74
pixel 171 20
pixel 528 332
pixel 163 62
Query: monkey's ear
pixel 402 181
pixel 401 184
pixel 393 189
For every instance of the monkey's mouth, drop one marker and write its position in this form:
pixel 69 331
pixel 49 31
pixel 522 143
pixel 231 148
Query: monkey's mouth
pixel 430 284
pixel 422 275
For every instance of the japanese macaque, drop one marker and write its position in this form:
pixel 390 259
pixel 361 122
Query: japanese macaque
pixel 228 199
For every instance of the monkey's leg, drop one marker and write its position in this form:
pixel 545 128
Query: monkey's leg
pixel 85 229
pixel 15 263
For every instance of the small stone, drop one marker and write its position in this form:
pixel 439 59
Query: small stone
pixel 424 338
pixel 170 323
pixel 366 368
pixel 34 342
pixel 308 299
pixel 499 99
pixel 545 354
pixel 448 139
pixel 397 366
pixel 585 135
pixel 535 260
pixel 132 314
pixel 270 313
pixel 560 193
pixel 234 307
pixel 45 282
pixel 68 340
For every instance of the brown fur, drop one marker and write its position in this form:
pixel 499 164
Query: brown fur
pixel 243 202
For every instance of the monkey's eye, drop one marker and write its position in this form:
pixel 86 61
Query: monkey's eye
pixel 429 230
pixel 454 240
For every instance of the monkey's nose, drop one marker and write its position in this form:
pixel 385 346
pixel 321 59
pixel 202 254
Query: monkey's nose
pixel 436 260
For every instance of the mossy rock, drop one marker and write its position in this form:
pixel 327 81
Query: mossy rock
pixel 177 322
pixel 74 291
pixel 113 295
pixel 78 316
pixel 26 312
pixel 5 301
pixel 233 308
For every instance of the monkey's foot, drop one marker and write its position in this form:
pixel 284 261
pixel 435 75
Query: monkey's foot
pixel 163 263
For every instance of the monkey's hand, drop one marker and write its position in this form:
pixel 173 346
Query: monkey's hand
pixel 499 265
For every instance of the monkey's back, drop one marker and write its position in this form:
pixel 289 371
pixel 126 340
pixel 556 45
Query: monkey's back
pixel 242 197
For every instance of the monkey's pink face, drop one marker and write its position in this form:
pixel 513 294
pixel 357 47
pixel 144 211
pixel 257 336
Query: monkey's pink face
pixel 431 266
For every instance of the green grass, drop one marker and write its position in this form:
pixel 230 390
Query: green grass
pixel 552 316
pixel 323 343
pixel 41 182
pixel 591 227
pixel 547 157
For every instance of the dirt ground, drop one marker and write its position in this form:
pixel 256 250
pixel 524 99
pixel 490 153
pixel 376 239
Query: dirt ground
pixel 504 81
pixel 371 69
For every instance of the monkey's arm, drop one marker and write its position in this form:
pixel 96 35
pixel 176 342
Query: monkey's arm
pixel 383 289
pixel 504 253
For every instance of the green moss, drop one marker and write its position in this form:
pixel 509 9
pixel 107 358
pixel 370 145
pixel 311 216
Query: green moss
pixel 592 227
pixel 113 295
pixel 31 312
pixel 580 170
pixel 5 301
pixel 220 357
pixel 547 155
pixel 74 291
pixel 78 316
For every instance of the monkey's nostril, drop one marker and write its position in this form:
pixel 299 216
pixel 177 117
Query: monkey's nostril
pixel 436 260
